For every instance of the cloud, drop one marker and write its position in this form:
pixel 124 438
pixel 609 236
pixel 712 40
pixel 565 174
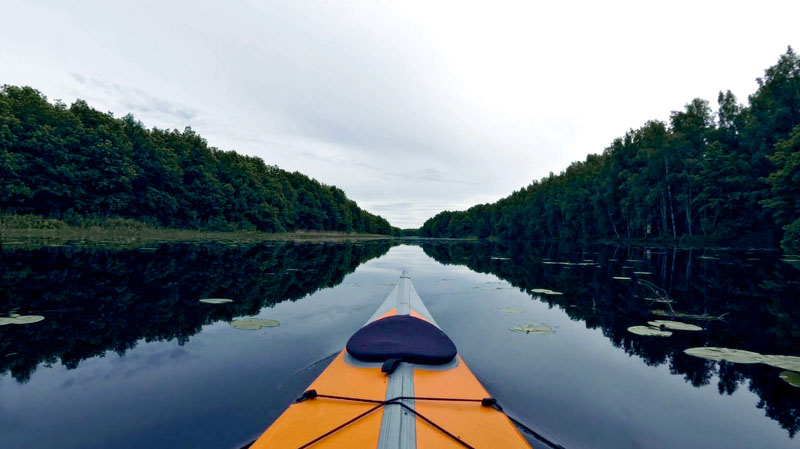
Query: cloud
pixel 135 100
pixel 422 105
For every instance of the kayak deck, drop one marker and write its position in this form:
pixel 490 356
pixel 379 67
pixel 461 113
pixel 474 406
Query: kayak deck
pixel 426 418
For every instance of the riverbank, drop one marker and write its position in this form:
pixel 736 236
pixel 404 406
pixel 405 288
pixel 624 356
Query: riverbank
pixel 24 229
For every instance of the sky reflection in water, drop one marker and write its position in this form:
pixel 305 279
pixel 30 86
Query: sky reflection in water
pixel 127 357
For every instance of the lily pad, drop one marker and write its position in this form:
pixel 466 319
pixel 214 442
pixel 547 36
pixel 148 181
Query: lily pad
pixel 791 377
pixel 545 291
pixel 687 316
pixel 215 300
pixel 512 310
pixel 532 328
pixel 786 362
pixel 649 331
pixel 674 325
pixel 253 323
pixel 727 354
pixel 20 319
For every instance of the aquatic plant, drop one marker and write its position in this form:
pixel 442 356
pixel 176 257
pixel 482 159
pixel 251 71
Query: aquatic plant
pixel 512 310
pixel 790 377
pixel 215 300
pixel 545 291
pixel 532 328
pixel 674 325
pixel 726 354
pixel 649 331
pixel 253 323
pixel 20 319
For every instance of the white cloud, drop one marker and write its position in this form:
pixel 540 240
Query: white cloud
pixel 409 107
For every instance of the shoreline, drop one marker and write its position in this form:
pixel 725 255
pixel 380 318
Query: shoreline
pixel 100 235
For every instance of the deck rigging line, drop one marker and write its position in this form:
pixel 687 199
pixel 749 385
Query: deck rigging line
pixel 485 402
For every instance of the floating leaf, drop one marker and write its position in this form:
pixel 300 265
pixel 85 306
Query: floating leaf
pixel 215 300
pixel 20 319
pixel 786 362
pixel 727 354
pixel 622 278
pixel 790 377
pixel 649 331
pixel 688 316
pixel 512 310
pixel 253 323
pixel 674 325
pixel 545 291
pixel 532 328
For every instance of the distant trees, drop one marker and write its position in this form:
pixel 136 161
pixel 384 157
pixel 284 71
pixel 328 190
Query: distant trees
pixel 729 175
pixel 70 162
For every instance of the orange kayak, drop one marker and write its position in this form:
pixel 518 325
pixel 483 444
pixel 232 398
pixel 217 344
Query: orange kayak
pixel 399 383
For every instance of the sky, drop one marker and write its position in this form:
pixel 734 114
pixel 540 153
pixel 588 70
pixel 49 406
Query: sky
pixel 410 107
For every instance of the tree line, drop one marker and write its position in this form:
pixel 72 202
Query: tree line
pixel 70 162
pixel 729 175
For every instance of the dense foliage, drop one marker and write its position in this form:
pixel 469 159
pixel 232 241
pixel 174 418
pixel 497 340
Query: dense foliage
pixel 733 176
pixel 73 162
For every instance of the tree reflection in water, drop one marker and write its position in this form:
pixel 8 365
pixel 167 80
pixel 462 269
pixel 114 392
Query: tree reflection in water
pixel 757 294
pixel 97 299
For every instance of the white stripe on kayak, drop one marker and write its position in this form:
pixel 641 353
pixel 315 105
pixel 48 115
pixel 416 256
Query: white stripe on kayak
pixel 399 426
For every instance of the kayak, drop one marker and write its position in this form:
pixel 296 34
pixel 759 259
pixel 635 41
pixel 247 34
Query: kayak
pixel 398 383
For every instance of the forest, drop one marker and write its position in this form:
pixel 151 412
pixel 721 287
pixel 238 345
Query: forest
pixel 730 176
pixel 73 162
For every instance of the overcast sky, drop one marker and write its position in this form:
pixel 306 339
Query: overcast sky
pixel 409 107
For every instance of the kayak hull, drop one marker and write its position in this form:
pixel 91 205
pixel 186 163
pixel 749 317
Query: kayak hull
pixel 371 425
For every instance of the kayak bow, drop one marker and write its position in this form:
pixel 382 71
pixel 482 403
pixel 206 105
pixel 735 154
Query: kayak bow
pixel 399 384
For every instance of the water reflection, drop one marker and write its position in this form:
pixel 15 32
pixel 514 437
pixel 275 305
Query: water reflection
pixel 756 293
pixel 99 299
pixel 185 378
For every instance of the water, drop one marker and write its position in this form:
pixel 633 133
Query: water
pixel 128 357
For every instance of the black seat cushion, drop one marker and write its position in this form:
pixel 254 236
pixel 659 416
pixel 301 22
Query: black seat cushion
pixel 401 337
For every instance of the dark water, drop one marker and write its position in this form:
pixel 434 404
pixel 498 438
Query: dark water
pixel 127 356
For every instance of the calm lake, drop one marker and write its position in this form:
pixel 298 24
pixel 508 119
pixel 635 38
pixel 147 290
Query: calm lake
pixel 127 356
